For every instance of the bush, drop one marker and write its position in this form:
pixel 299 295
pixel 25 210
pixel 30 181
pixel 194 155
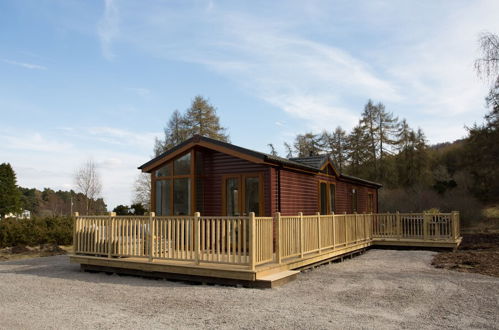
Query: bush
pixel 35 231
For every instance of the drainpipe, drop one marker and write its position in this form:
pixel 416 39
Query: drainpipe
pixel 279 189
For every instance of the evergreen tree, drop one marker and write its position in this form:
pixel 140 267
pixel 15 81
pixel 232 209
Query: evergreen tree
pixel 10 195
pixel 387 128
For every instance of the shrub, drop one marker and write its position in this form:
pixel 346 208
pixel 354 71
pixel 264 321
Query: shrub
pixel 37 230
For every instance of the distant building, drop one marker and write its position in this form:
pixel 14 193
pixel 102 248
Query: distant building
pixel 25 214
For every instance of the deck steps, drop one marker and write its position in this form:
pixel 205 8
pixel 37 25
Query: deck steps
pixel 276 279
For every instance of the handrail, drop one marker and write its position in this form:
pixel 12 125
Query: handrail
pixel 249 240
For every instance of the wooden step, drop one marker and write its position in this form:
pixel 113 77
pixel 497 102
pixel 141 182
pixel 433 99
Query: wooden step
pixel 276 279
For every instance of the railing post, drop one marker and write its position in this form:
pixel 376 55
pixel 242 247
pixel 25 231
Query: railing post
pixel 334 230
pixel 278 237
pixel 319 231
pixel 151 235
pixel 346 227
pixel 197 236
pixel 425 225
pixel 109 233
pixel 252 240
pixel 300 214
pixel 355 228
pixel 399 233
pixel 455 224
pixel 75 239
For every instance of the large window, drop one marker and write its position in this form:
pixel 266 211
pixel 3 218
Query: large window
pixel 327 196
pixel 174 187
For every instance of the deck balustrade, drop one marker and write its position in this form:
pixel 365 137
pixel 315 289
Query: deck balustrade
pixel 251 241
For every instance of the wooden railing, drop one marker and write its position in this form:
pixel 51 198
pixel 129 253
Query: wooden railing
pixel 250 240
pixel 422 226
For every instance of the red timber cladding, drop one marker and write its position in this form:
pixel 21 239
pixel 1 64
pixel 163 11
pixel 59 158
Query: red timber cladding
pixel 300 193
pixel 215 166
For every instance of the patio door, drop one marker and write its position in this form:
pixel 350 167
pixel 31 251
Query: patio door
pixel 243 194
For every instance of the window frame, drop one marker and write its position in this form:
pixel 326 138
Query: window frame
pixel 328 197
pixel 242 195
pixel 172 177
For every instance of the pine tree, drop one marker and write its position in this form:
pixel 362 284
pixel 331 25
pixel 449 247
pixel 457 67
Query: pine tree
pixel 10 195
pixel 201 118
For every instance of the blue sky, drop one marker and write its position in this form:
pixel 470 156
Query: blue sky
pixel 99 79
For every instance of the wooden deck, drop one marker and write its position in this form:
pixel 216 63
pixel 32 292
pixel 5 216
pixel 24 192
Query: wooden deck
pixel 253 251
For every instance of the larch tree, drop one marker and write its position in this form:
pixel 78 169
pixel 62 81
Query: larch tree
pixel 336 144
pixel 175 132
pixel 10 195
pixel 307 145
pixel 87 181
pixel 201 118
pixel 387 126
pixel 289 150
pixel 358 150
pixel 273 152
pixel 369 125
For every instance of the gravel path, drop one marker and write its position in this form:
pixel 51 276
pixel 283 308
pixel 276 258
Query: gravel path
pixel 380 289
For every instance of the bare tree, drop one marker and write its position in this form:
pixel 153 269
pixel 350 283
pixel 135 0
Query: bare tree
pixel 87 181
pixel 487 66
pixel 142 190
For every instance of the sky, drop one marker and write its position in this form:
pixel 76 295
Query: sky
pixel 98 80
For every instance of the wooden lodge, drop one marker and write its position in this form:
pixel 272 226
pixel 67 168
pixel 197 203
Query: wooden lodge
pixel 227 214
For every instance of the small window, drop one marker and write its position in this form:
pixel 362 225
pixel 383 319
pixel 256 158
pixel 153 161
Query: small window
pixel 323 196
pixel 232 186
pixel 182 165
pixel 370 202
pixel 252 195
pixel 332 190
pixel 354 200
pixel 164 171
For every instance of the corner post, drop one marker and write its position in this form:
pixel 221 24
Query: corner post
pixel 109 233
pixel 278 237
pixel 319 231
pixel 301 234
pixel 76 242
pixel 197 236
pixel 252 240
pixel 151 235
pixel 398 219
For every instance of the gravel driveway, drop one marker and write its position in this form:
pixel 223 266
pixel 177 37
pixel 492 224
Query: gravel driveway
pixel 380 289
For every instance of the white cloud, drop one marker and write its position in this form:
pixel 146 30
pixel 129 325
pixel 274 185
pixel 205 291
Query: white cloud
pixel 32 142
pixel 108 28
pixel 141 91
pixel 25 65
